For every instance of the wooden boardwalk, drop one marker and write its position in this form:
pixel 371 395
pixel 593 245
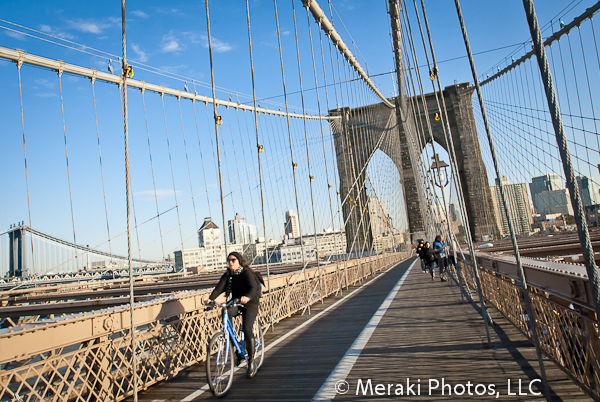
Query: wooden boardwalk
pixel 425 336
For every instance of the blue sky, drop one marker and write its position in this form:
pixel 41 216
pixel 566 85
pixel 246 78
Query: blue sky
pixel 172 39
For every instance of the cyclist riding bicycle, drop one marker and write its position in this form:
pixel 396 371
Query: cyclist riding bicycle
pixel 241 282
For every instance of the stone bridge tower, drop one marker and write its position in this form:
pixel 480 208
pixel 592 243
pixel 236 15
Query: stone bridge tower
pixel 361 131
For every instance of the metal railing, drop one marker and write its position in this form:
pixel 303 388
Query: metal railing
pixel 567 337
pixel 87 356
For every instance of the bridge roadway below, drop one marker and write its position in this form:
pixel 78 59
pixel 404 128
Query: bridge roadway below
pixel 425 335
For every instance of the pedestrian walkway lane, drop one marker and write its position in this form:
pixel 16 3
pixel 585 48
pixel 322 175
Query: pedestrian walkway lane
pixel 400 336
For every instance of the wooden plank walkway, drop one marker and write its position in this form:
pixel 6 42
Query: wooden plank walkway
pixel 426 334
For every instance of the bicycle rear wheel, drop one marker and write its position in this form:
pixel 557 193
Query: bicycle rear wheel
pixel 219 364
pixel 259 344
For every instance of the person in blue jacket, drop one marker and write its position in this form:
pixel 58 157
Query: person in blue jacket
pixel 439 248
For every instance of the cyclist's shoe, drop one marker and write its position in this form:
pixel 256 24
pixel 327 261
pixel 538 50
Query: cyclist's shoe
pixel 443 279
pixel 251 368
pixel 238 359
pixel 433 276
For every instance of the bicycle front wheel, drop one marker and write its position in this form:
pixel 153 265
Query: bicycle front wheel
pixel 259 344
pixel 219 364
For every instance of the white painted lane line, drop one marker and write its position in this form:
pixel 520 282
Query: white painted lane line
pixel 205 388
pixel 339 374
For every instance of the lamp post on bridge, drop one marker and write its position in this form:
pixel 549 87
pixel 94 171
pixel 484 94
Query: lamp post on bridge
pixel 439 177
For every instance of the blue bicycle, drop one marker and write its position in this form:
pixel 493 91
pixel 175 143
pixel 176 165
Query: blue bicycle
pixel 222 347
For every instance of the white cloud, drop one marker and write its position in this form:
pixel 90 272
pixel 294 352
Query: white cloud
pixel 90 26
pixel 48 29
pixel 148 195
pixel 15 35
pixel 141 54
pixel 286 33
pixel 170 43
pixel 192 37
pixel 46 94
pixel 45 83
pixel 140 13
pixel 218 45
pixel 171 46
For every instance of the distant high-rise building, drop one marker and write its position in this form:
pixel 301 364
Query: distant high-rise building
pixel 588 190
pixel 517 202
pixel 378 215
pixel 548 182
pixel 292 227
pixel 241 232
pixel 209 234
pixel 454 213
pixel 554 202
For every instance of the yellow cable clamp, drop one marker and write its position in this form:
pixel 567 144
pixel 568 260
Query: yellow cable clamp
pixel 437 116
pixel 433 73
pixel 129 72
pixel 219 120
pixel 312 178
pixel 260 148
pixel 295 165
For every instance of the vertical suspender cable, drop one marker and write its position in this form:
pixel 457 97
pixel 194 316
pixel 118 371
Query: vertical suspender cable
pixel 127 185
pixel 311 178
pixel 216 117
pixel 526 294
pixel 319 110
pixel 19 64
pixel 93 80
pixel 162 99
pixel 162 246
pixel 287 115
pixel 565 155
pixel 187 160
pixel 454 167
pixel 260 178
pixel 67 159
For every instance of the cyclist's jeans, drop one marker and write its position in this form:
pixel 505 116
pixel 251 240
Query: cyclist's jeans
pixel 248 318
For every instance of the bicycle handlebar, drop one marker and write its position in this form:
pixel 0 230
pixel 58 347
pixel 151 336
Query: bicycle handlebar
pixel 232 302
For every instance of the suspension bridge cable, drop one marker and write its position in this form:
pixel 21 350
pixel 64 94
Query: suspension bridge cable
pixel 294 164
pixel 127 185
pixel 260 180
pixel 67 160
pixel 19 65
pixel 162 245
pixel 506 210
pixel 93 80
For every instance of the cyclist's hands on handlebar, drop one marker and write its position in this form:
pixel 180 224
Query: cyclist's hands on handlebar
pixel 244 299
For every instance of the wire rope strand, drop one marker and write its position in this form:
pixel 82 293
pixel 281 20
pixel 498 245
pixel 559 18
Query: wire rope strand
pixel 19 65
pixel 319 111
pixel 101 170
pixel 311 178
pixel 200 151
pixel 258 145
pixel 172 172
pixel 67 160
pixel 187 159
pixel 561 140
pixel 294 164
pixel 217 119
pixel 162 245
pixel 127 185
